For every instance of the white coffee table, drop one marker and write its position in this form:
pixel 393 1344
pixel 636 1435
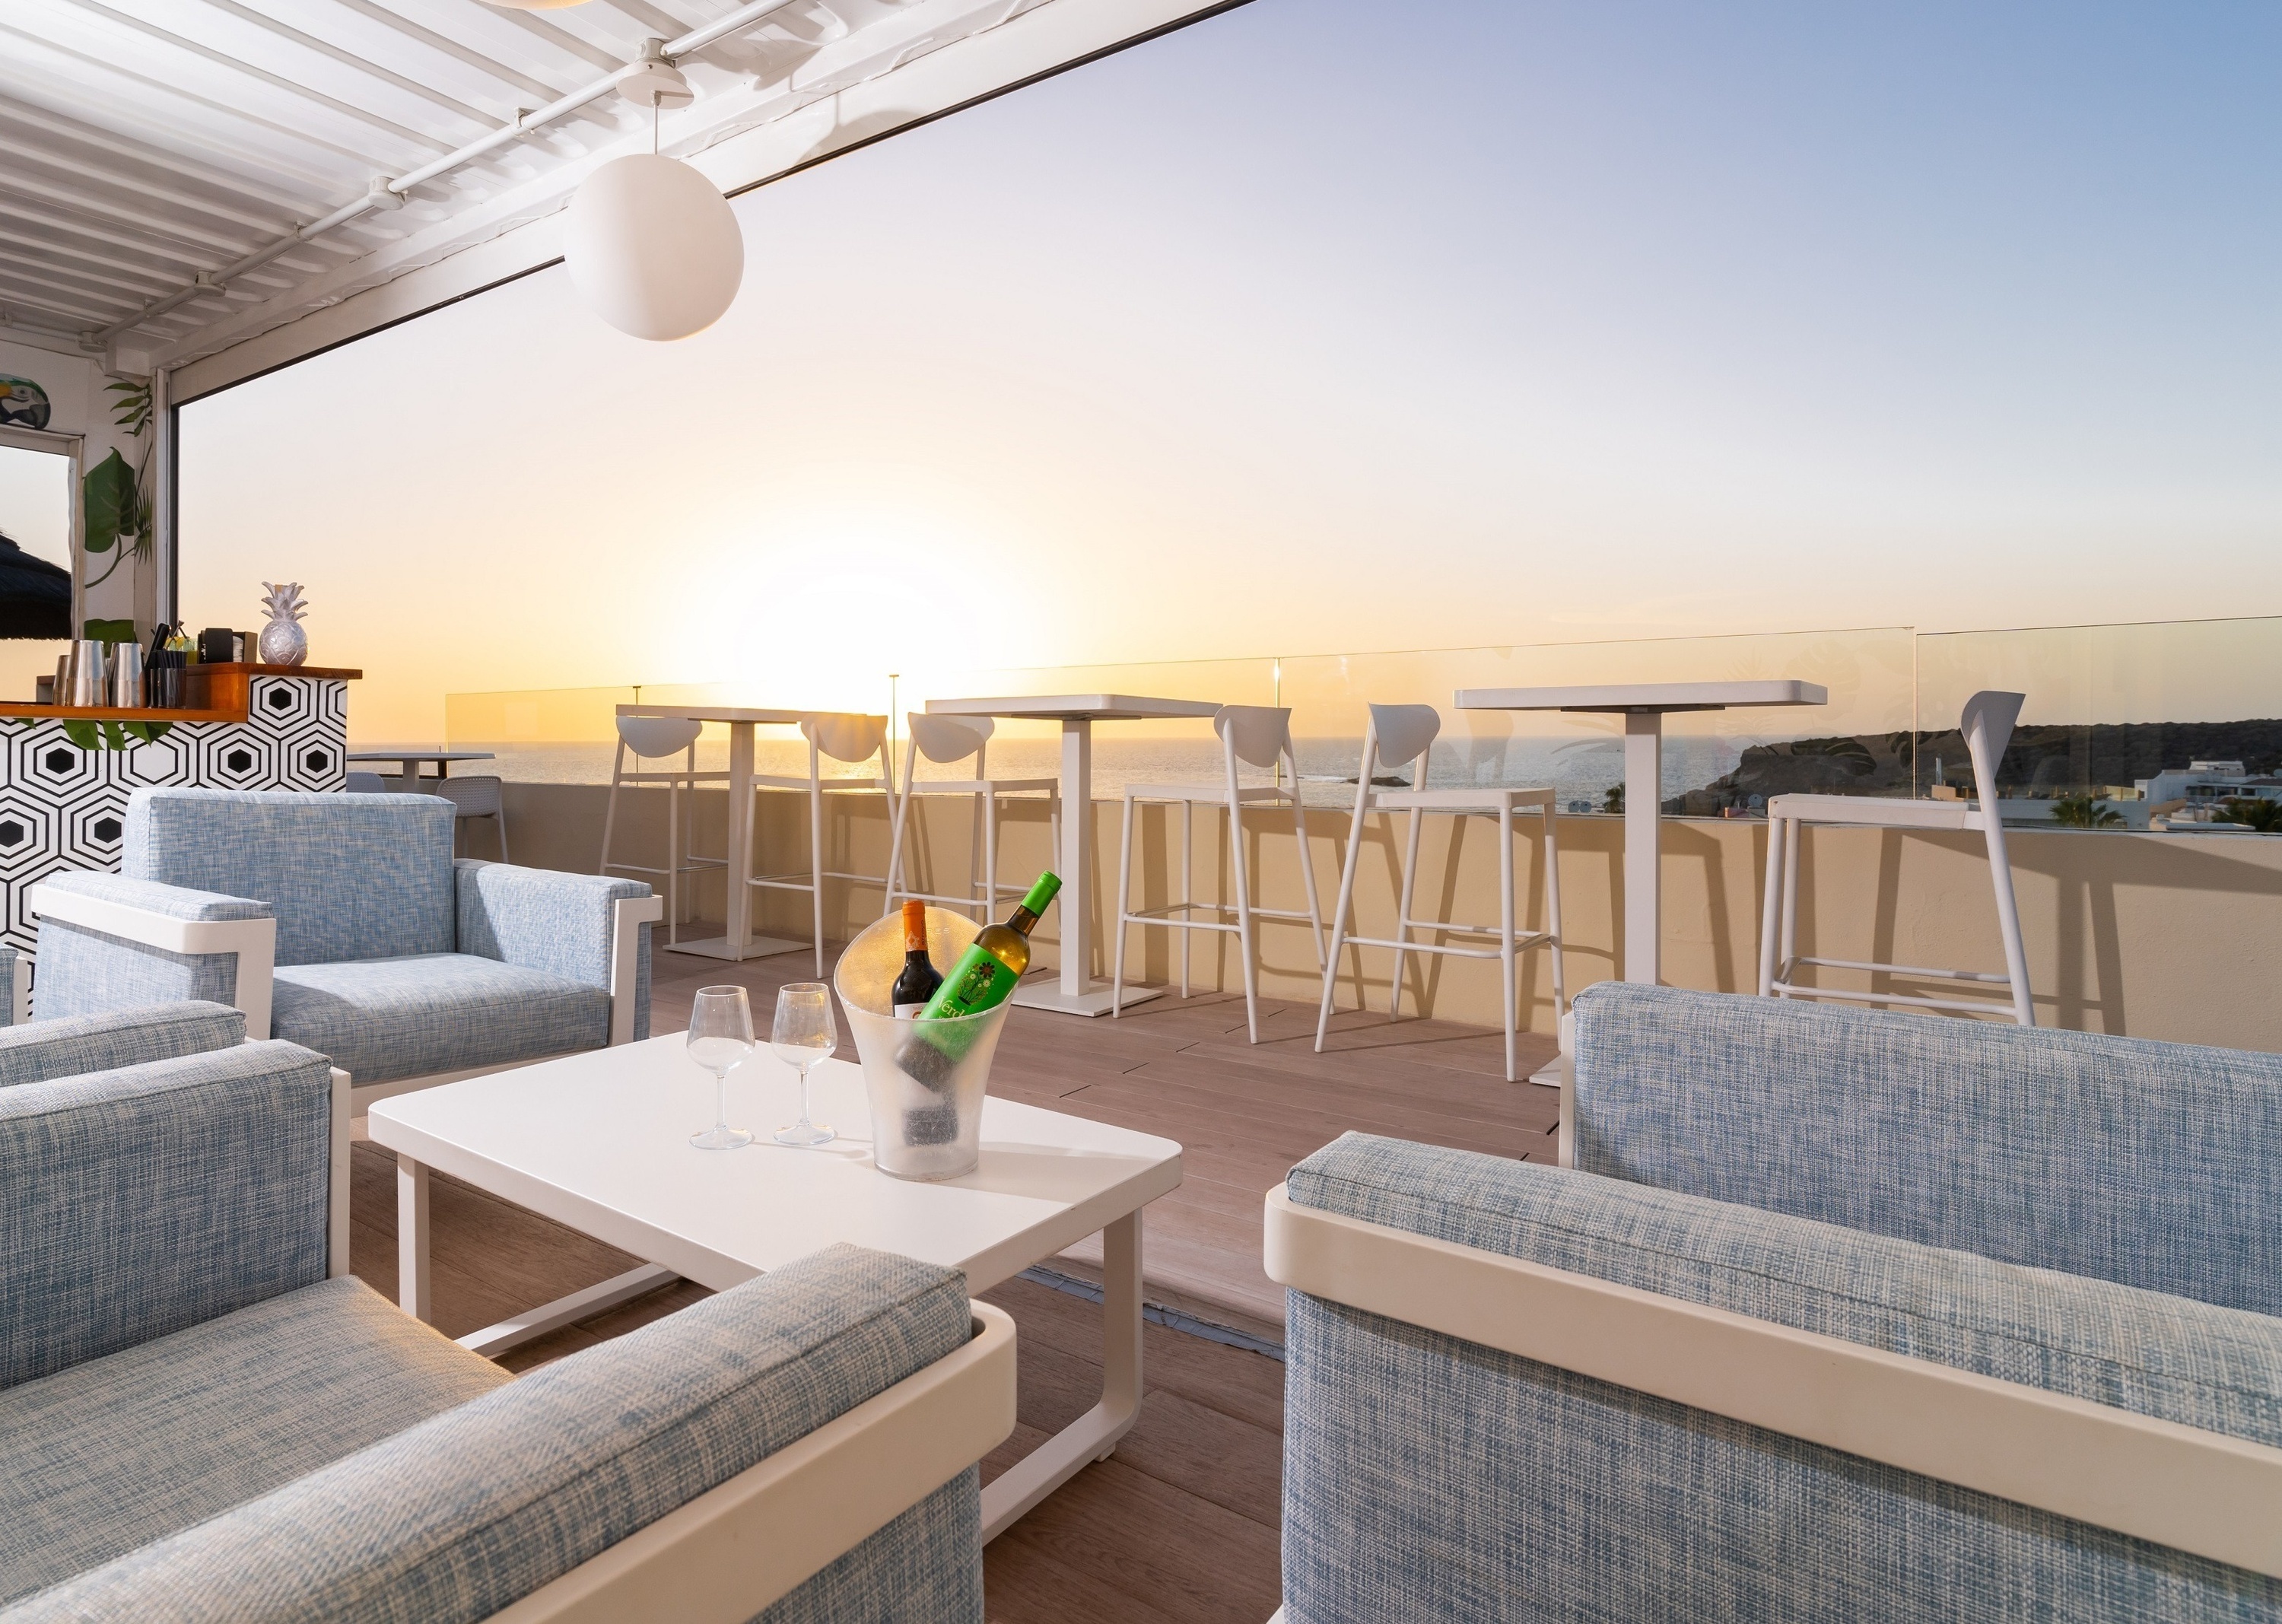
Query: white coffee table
pixel 600 1141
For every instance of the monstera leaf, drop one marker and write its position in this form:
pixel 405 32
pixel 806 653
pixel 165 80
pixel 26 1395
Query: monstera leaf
pixel 112 510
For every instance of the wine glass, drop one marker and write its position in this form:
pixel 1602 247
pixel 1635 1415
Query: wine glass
pixel 802 1036
pixel 720 1035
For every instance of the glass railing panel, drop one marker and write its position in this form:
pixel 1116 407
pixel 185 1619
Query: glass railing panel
pixel 1715 763
pixel 2156 725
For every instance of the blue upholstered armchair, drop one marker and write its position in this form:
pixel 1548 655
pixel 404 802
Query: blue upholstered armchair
pixel 1839 1314
pixel 204 1418
pixel 342 923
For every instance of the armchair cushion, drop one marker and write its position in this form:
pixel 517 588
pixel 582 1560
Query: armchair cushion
pixel 146 1200
pixel 111 1454
pixel 85 972
pixel 558 923
pixel 463 1514
pixel 351 877
pixel 383 1019
pixel 41 1050
pixel 2153 1164
pixel 1430 1478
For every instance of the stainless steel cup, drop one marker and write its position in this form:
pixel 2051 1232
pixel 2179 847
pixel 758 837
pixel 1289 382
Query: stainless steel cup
pixel 126 676
pixel 87 687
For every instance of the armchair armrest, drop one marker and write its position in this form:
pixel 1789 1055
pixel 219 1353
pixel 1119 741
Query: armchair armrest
pixel 74 1045
pixel 584 928
pixel 15 989
pixel 155 1197
pixel 109 942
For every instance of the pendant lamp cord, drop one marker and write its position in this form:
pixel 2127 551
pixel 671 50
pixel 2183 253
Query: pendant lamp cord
pixel 655 114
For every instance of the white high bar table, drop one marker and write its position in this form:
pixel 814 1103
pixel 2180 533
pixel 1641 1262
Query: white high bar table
pixel 1643 705
pixel 1074 991
pixel 737 940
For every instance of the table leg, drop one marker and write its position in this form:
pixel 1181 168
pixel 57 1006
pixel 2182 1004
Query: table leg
pixel 1073 991
pixel 1643 833
pixel 739 933
pixel 412 1290
pixel 1094 1434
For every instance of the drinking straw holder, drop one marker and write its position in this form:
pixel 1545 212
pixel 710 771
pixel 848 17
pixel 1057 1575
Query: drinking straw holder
pixel 925 1079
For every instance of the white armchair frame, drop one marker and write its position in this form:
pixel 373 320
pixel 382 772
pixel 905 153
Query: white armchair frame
pixel 2197 1491
pixel 253 942
pixel 743 1545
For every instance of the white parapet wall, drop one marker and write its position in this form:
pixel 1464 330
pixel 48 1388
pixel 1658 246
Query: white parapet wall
pixel 2153 935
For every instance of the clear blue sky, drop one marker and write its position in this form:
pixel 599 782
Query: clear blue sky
pixel 1321 325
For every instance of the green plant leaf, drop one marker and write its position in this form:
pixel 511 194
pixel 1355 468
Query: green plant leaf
pixel 112 738
pixel 112 510
pixel 150 732
pixel 81 731
pixel 110 631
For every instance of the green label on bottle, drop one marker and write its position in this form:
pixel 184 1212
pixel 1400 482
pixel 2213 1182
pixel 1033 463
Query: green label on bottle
pixel 976 982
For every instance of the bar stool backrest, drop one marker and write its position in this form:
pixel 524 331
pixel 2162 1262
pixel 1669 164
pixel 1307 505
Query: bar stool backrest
pixel 1987 723
pixel 844 737
pixel 1403 732
pixel 943 739
pixel 651 736
pixel 1259 734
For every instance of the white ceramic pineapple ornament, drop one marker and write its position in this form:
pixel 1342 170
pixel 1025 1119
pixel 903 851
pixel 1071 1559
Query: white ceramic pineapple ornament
pixel 284 642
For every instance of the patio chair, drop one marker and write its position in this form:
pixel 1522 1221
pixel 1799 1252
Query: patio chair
pixel 1837 1314
pixel 202 1417
pixel 1259 737
pixel 1396 736
pixel 659 738
pixel 476 797
pixel 943 740
pixel 850 739
pixel 1987 725
pixel 343 922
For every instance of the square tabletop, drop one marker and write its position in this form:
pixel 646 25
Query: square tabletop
pixel 1645 696
pixel 600 1141
pixel 1076 707
pixel 718 713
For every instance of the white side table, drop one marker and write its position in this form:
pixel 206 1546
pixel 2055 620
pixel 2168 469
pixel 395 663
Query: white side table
pixel 1643 705
pixel 1076 992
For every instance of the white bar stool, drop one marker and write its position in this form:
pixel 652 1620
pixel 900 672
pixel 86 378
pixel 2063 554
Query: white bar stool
pixel 1987 724
pixel 655 738
pixel 483 796
pixel 943 740
pixel 1397 736
pixel 1262 737
pixel 851 739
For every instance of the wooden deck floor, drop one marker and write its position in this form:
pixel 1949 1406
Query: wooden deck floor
pixel 1180 1525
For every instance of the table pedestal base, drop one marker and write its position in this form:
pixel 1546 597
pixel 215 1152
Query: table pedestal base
pixel 717 947
pixel 1098 999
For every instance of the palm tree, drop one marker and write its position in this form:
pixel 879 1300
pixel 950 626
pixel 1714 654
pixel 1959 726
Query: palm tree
pixel 2259 813
pixel 2085 811
pixel 1612 798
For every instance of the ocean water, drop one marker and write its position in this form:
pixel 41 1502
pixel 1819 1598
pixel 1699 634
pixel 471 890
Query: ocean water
pixel 1581 770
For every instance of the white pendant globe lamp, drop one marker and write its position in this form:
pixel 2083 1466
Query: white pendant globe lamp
pixel 653 246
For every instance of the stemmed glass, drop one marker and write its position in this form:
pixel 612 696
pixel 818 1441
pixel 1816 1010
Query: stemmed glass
pixel 803 1034
pixel 720 1035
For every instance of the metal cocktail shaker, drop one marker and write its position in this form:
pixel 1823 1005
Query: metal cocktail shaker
pixel 85 674
pixel 126 676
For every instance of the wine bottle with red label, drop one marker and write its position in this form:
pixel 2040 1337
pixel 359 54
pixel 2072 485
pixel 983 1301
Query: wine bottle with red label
pixel 920 979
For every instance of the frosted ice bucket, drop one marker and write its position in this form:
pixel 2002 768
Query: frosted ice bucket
pixel 925 1078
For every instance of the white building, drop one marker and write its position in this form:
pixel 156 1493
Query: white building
pixel 2209 782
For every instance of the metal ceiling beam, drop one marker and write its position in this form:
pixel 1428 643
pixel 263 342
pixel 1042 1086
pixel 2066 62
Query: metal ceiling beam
pixel 363 160
pixel 275 81
pixel 15 181
pixel 65 274
pixel 67 154
pixel 451 48
pixel 102 303
pixel 559 38
pixel 10 209
pixel 370 69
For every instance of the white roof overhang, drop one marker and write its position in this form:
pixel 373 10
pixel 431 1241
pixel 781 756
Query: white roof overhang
pixel 215 188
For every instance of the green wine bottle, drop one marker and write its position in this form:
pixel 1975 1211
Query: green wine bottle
pixel 985 975
pixel 983 978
